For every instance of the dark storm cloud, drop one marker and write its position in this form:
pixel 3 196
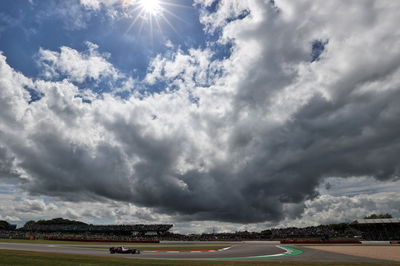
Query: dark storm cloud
pixel 355 137
pixel 254 154
pixel 74 172
pixel 358 137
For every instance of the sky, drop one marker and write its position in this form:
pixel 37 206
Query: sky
pixel 211 115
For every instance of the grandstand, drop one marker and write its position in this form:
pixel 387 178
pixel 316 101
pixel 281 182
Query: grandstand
pixel 384 229
pixel 133 230
pixel 378 229
pixel 64 229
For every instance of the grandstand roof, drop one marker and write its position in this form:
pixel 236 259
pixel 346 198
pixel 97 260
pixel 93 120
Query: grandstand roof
pixel 377 221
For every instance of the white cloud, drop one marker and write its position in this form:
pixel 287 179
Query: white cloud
pixel 353 186
pixel 19 207
pixel 327 209
pixel 13 96
pixel 77 66
pixel 96 4
pixel 90 4
pixel 33 205
pixel 114 9
pixel 194 68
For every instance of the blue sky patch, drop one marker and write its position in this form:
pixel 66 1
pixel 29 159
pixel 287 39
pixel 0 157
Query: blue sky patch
pixel 318 47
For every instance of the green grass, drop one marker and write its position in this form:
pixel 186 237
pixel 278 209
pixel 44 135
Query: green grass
pixel 177 248
pixel 11 257
pixel 141 246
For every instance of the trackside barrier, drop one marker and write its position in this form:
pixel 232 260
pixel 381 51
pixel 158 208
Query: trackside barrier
pixel 319 242
pixel 375 242
pixel 262 242
pixel 102 240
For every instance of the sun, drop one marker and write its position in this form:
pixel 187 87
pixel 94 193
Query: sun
pixel 153 13
pixel 151 7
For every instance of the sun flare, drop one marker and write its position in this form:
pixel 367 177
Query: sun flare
pixel 152 7
pixel 153 13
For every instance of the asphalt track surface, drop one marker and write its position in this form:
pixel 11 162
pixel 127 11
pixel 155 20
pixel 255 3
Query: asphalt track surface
pixel 242 251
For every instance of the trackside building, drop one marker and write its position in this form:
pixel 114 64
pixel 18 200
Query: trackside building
pixel 378 229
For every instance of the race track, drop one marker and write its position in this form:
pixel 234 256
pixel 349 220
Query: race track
pixel 243 251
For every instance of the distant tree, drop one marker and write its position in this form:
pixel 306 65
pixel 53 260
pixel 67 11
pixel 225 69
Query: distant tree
pixel 266 233
pixel 4 225
pixel 379 216
pixel 29 223
pixel 55 221
pixel 59 221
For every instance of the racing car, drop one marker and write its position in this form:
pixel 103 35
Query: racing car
pixel 122 250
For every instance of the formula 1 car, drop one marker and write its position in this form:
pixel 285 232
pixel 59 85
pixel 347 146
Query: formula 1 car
pixel 122 250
